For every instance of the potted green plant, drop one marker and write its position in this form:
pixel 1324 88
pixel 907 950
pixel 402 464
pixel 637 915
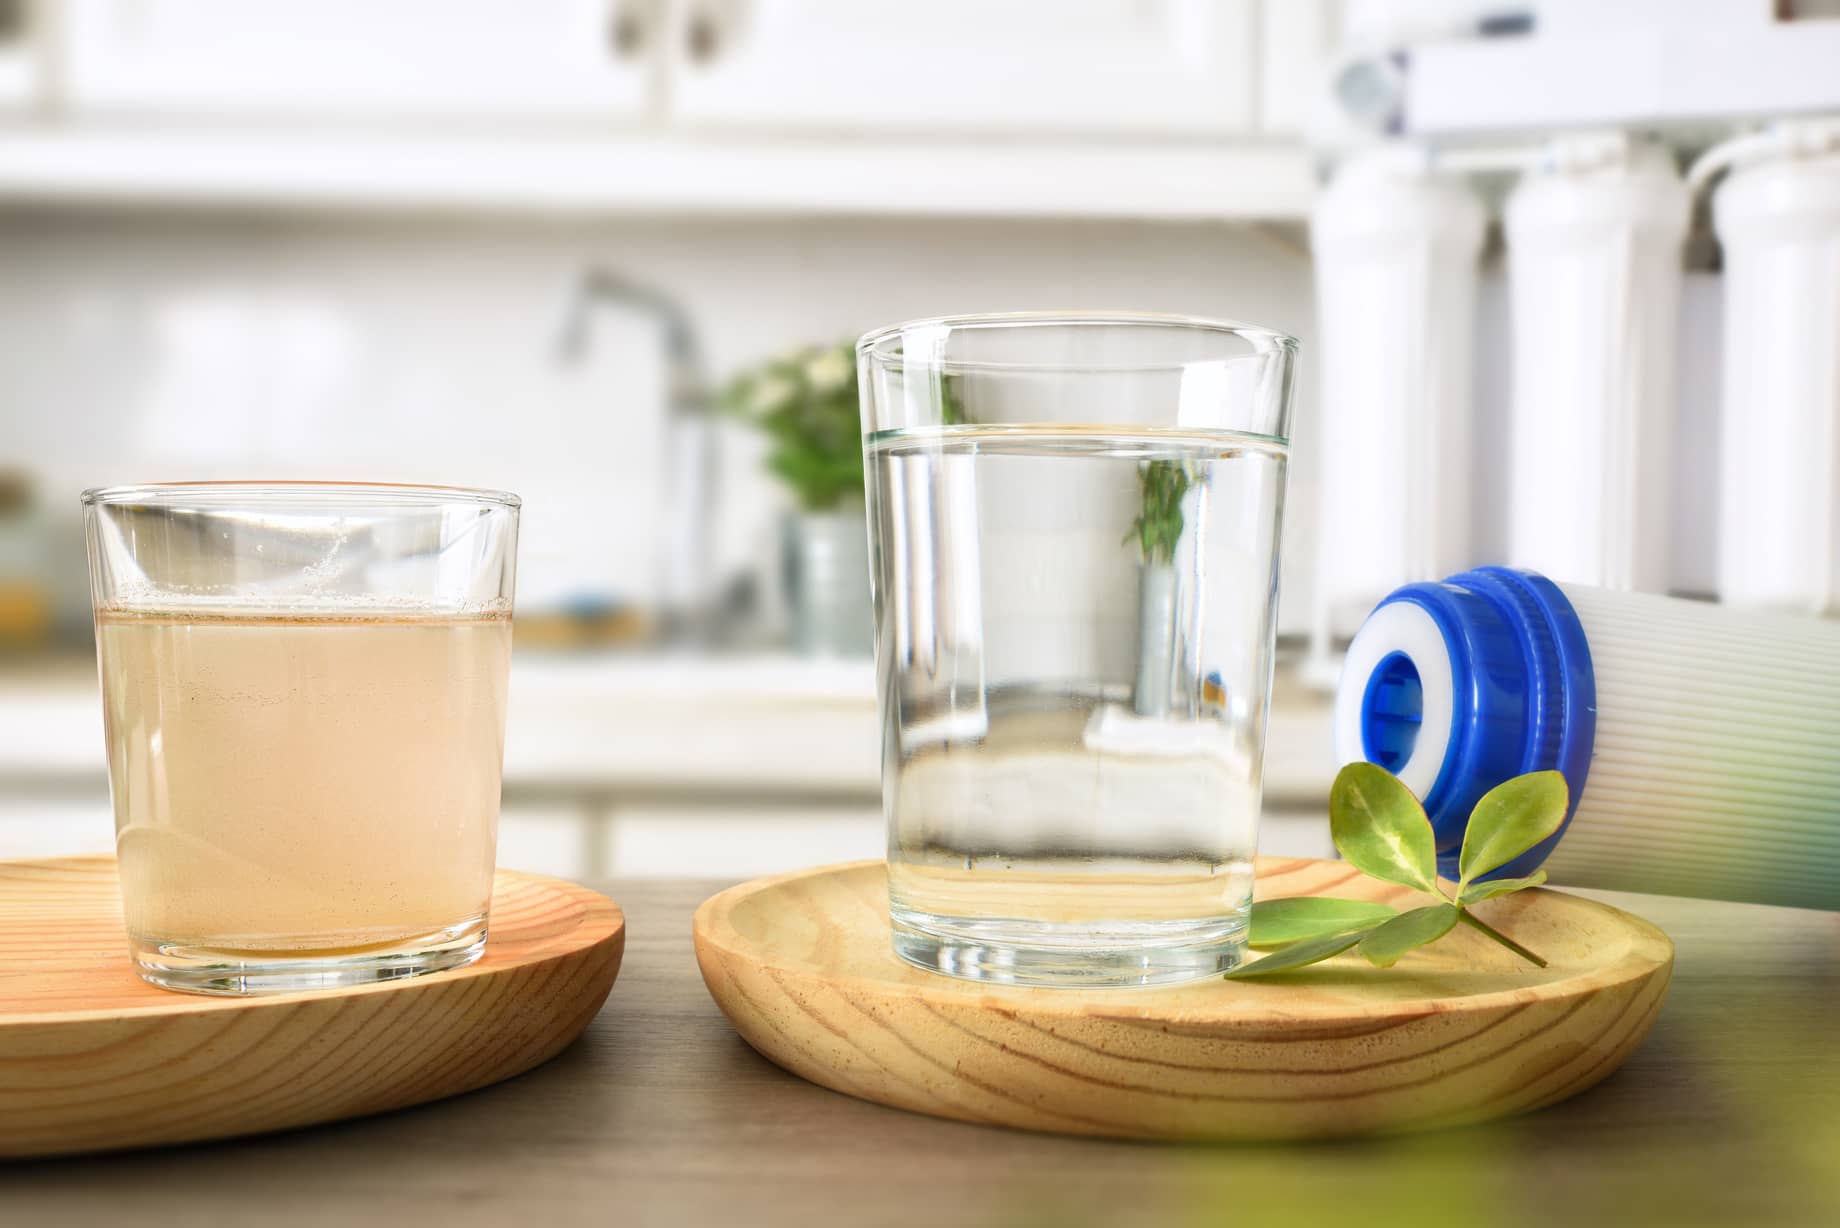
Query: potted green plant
pixel 805 404
pixel 1157 530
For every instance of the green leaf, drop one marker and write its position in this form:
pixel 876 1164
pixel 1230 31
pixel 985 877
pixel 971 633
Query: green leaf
pixel 1297 955
pixel 1475 893
pixel 1510 819
pixel 1408 931
pixel 1380 828
pixel 1158 529
pixel 1277 922
pixel 805 403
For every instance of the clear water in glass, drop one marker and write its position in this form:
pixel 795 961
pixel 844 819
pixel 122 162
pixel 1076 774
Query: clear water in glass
pixel 1075 642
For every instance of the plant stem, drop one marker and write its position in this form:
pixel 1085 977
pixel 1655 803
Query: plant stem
pixel 1471 919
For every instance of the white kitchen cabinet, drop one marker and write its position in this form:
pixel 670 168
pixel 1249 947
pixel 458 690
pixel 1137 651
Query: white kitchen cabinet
pixel 1295 40
pixel 360 59
pixel 1162 67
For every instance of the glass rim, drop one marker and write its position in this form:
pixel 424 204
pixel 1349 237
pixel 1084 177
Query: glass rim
pixel 218 494
pixel 872 344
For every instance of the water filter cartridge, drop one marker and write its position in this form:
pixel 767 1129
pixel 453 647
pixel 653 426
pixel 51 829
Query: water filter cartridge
pixel 1395 250
pixel 1701 743
pixel 1594 271
pixel 1778 221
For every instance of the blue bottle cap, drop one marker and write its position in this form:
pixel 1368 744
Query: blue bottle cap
pixel 1476 680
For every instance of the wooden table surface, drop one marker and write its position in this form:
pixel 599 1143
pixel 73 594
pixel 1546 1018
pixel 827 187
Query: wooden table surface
pixel 1729 1114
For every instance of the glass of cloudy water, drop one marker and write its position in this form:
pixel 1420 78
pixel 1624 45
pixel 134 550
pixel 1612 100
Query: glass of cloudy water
pixel 303 689
pixel 1073 523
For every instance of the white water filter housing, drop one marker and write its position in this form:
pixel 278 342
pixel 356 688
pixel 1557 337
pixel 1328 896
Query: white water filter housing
pixel 1396 251
pixel 1594 265
pixel 1778 222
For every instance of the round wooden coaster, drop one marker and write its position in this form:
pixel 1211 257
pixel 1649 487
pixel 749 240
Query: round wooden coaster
pixel 92 1057
pixel 1458 1032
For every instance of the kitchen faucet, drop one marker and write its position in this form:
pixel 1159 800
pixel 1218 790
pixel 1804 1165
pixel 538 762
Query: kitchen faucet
pixel 684 540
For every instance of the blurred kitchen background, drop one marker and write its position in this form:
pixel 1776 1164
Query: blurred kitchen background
pixel 1567 276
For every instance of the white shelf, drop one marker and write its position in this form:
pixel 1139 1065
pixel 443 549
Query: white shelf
pixel 548 174
pixel 753 727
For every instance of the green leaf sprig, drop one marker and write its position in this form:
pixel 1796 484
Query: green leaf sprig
pixel 1158 528
pixel 805 404
pixel 1380 829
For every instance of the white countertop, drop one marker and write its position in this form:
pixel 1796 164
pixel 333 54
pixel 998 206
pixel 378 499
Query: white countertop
pixel 760 725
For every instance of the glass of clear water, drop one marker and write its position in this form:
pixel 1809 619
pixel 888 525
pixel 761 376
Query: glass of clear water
pixel 1073 523
pixel 303 690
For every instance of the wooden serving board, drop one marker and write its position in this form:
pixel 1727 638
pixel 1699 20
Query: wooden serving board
pixel 94 1058
pixel 1458 1032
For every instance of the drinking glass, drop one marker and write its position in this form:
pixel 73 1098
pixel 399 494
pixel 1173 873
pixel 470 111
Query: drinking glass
pixel 303 689
pixel 1073 525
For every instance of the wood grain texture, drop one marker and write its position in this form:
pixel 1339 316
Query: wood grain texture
pixel 93 1058
pixel 1728 1114
pixel 1459 1032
